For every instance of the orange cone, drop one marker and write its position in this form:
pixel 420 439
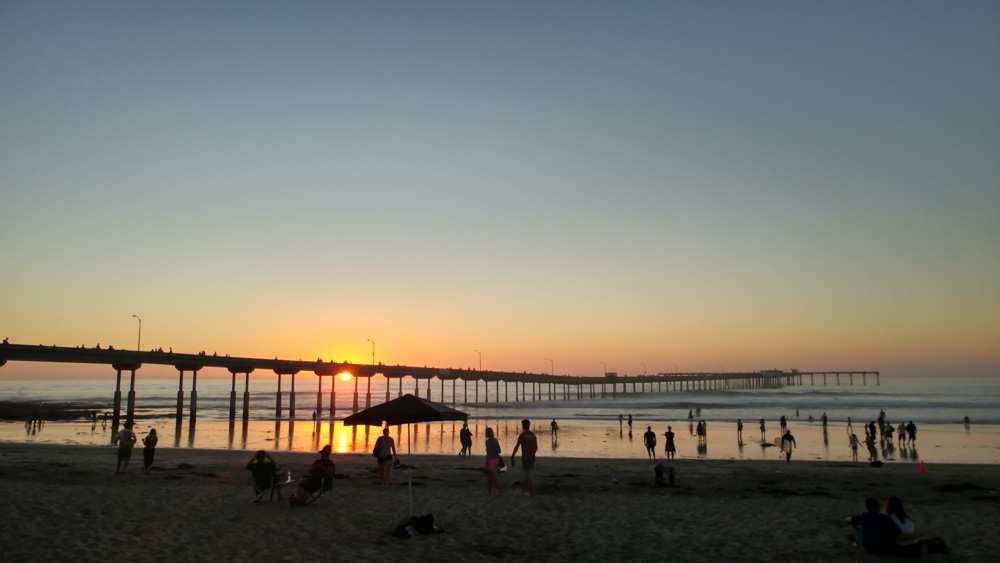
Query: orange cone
pixel 923 468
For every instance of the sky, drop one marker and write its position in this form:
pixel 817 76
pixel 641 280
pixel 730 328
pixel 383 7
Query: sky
pixel 642 186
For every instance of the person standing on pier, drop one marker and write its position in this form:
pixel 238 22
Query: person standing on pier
pixel 528 445
pixel 125 439
pixel 149 449
pixel 649 438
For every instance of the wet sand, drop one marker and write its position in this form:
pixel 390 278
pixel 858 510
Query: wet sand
pixel 64 502
pixel 937 443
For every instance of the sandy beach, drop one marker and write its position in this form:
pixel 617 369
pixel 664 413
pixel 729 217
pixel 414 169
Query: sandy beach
pixel 65 502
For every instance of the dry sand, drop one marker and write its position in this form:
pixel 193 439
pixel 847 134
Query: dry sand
pixel 65 503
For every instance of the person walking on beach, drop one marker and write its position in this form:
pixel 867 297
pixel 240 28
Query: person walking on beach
pixel 702 431
pixel 149 449
pixel 763 430
pixel 787 443
pixel 739 430
pixel 783 423
pixel 629 424
pixel 555 428
pixel 671 448
pixel 492 463
pixel 854 447
pixel 911 432
pixel 901 431
pixel 385 453
pixel 621 420
pixel 649 438
pixel 824 419
pixel 125 439
pixel 850 427
pixel 881 420
pixel 465 439
pixel 528 445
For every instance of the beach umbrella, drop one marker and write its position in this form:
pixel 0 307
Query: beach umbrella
pixel 407 409
pixel 404 410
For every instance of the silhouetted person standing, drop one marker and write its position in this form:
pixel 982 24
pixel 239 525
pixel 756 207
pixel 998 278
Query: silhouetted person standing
pixel 671 448
pixel 528 445
pixel 149 449
pixel 465 439
pixel 739 430
pixel 787 443
pixel 126 440
pixel 649 438
pixel 763 430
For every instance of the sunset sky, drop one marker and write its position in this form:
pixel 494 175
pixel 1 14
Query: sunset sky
pixel 680 185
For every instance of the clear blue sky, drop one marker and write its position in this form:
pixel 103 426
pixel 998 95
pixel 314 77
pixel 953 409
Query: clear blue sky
pixel 685 184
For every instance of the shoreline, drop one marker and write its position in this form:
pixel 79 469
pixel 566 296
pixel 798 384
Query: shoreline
pixel 65 501
pixel 354 457
pixel 979 444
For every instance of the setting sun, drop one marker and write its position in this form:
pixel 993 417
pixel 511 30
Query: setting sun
pixel 344 376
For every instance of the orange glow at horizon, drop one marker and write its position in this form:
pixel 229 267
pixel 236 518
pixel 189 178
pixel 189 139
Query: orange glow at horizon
pixel 344 376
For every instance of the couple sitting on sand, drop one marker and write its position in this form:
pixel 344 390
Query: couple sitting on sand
pixel 318 478
pixel 892 533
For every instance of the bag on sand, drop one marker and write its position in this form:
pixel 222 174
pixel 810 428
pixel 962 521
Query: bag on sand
pixel 417 525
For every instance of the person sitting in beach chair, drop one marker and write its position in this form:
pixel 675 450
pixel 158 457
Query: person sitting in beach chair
pixel 265 475
pixel 317 481
pixel 874 532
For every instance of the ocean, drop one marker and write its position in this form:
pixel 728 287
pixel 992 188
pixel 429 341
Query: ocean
pixel 588 427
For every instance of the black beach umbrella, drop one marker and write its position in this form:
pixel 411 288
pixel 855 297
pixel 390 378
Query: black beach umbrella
pixel 404 410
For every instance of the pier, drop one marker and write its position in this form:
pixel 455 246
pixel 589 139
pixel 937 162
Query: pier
pixel 496 385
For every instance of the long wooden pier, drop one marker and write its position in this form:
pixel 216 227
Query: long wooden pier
pixel 528 387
